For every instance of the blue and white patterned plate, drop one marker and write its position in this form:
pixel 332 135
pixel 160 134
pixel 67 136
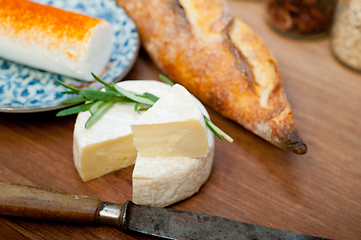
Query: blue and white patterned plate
pixel 25 89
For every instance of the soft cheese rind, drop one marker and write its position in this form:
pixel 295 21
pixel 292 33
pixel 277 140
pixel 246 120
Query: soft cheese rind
pixel 163 181
pixel 176 126
pixel 53 39
pixel 108 145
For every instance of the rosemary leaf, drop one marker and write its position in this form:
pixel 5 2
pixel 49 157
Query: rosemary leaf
pixel 98 114
pixel 135 94
pixel 143 109
pixel 75 90
pixel 151 97
pixel 209 125
pixel 74 100
pixel 104 96
pixel 133 97
pixel 69 92
pixel 109 87
pixel 165 79
pixel 136 106
pixel 74 110
pixel 95 106
pixel 217 131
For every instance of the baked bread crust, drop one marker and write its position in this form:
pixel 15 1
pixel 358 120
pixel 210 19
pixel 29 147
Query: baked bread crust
pixel 203 46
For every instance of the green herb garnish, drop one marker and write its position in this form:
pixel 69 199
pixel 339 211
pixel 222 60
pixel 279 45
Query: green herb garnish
pixel 97 102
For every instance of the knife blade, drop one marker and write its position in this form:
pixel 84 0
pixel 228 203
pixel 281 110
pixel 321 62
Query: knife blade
pixel 33 202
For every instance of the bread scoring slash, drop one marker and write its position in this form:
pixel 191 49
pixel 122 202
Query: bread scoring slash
pixel 203 46
pixel 53 39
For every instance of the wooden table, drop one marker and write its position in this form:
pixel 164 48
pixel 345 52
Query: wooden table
pixel 252 181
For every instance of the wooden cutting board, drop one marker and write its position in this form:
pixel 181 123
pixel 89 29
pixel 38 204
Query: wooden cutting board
pixel 317 194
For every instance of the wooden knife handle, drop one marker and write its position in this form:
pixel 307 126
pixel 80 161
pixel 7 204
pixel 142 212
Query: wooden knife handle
pixel 33 202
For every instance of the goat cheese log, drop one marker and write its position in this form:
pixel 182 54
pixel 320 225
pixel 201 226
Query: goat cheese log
pixel 53 39
pixel 203 46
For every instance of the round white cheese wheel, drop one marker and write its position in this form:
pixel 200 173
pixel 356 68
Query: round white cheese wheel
pixel 108 146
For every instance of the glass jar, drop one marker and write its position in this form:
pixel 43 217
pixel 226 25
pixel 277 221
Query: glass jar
pixel 346 34
pixel 306 19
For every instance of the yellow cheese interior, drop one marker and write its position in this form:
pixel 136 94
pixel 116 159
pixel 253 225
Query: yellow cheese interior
pixel 185 138
pixel 102 158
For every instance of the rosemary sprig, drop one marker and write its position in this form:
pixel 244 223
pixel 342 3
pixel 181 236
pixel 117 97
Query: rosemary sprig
pixel 98 112
pixel 97 102
pixel 166 80
pixel 216 130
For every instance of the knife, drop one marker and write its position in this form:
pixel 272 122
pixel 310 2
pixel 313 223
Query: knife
pixel 33 202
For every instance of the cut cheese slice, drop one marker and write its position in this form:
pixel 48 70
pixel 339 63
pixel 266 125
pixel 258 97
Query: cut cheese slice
pixel 174 126
pixel 53 39
pixel 108 145
pixel 162 181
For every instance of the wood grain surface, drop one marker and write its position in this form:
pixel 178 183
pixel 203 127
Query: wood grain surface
pixel 252 181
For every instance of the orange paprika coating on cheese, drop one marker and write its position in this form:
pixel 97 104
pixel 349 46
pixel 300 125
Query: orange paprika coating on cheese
pixel 27 21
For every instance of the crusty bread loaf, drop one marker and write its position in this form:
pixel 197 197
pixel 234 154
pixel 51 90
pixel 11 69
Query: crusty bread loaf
pixel 202 45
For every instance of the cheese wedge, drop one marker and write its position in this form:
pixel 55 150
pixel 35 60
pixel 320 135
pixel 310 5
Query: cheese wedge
pixel 169 134
pixel 53 39
pixel 163 181
pixel 108 145
pixel 176 126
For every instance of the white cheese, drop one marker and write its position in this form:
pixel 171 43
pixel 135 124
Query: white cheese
pixel 176 126
pixel 53 39
pixel 162 181
pixel 108 145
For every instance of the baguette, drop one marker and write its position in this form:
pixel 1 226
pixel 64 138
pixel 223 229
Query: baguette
pixel 203 46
